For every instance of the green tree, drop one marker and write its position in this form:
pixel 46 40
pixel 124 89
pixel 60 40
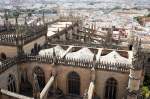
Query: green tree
pixel 146 87
pixel 145 92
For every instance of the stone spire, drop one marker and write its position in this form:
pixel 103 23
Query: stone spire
pixel 108 40
pixel 136 70
pixel 43 17
pixel 6 23
pixel 16 15
pixel 25 26
pixel 137 57
pixel 25 21
pixel 6 15
pixel 19 38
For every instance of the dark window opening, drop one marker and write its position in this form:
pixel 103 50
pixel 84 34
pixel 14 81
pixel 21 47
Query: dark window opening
pixel 25 86
pixel 11 83
pixel 40 77
pixel 74 83
pixel 111 89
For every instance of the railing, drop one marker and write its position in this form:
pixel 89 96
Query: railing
pixel 11 39
pixel 7 64
pixel 3 28
pixel 117 67
pixel 35 35
pixel 8 39
pixel 76 43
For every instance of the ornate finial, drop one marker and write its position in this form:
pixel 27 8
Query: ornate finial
pixel 58 30
pixel 6 23
pixel 43 17
pixel 54 57
pixel 25 20
pixel 94 58
pixel 6 15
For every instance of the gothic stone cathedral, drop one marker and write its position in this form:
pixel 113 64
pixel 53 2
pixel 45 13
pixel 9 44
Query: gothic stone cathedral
pixel 48 61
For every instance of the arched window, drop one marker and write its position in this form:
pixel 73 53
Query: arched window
pixel 40 77
pixel 11 83
pixel 3 56
pixel 25 86
pixel 111 89
pixel 73 83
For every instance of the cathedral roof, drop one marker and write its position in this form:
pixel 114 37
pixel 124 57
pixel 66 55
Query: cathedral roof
pixel 82 54
pixel 114 57
pixel 58 51
pixel 86 54
pixel 50 33
pixel 52 29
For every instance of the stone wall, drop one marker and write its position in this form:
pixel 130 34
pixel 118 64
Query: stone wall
pixel 29 68
pixel 62 75
pixel 85 78
pixel 40 41
pixel 103 76
pixel 4 77
pixel 9 51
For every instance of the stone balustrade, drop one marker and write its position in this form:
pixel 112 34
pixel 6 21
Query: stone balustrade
pixel 76 43
pixel 7 64
pixel 99 65
pixel 11 39
pixel 117 67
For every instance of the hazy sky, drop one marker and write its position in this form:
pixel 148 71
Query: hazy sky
pixel 38 1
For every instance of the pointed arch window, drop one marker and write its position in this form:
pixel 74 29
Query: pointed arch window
pixel 111 89
pixel 11 83
pixel 40 77
pixel 73 83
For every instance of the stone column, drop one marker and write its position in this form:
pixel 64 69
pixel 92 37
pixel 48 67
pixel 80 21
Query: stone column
pixel 133 89
pixel 89 94
pixel 135 76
